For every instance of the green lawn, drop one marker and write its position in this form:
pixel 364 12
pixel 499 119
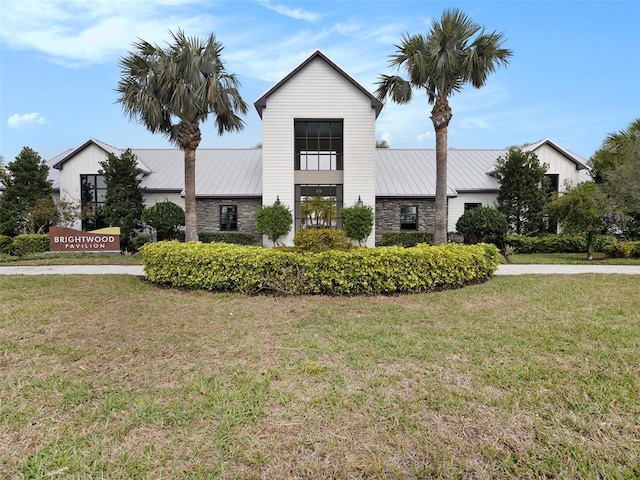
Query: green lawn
pixel 50 258
pixel 519 377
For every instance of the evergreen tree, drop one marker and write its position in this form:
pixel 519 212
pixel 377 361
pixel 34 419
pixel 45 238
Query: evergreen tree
pixel 123 205
pixel 523 190
pixel 25 188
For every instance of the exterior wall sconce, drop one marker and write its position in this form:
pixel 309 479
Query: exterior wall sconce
pixel 359 202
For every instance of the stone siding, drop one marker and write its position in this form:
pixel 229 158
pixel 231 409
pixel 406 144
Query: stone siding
pixel 208 212
pixel 388 214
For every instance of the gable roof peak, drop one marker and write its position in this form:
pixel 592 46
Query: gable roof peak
pixel 261 103
pixel 579 162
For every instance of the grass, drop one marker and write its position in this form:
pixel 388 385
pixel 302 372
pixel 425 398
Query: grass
pixel 52 258
pixel 519 377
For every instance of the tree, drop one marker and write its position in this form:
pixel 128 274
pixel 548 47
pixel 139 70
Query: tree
pixel 382 144
pixel 483 225
pixel 585 209
pixel 456 51
pixel 123 204
pixel 274 221
pixel 616 167
pixel 166 218
pixel 617 149
pixel 172 90
pixel 26 188
pixel 357 222
pixel 523 190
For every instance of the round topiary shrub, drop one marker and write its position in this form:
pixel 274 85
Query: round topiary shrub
pixel 483 225
pixel 166 218
pixel 274 221
pixel 357 222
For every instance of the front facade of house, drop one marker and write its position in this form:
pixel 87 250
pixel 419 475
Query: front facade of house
pixel 318 155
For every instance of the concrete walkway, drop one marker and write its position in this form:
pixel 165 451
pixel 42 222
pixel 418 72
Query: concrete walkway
pixel 139 271
pixel 74 270
pixel 567 269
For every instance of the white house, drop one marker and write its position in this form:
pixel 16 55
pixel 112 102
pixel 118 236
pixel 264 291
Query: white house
pixel 318 155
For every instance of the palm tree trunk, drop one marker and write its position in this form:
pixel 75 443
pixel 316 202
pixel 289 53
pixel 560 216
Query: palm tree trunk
pixel 441 116
pixel 191 222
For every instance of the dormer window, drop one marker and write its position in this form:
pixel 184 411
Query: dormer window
pixel 318 145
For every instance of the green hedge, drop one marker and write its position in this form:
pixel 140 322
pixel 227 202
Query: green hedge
pixel 30 243
pixel 369 271
pixel 5 244
pixel 405 238
pixel 238 238
pixel 553 243
pixel 623 250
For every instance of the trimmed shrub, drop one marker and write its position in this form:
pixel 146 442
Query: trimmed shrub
pixel 274 221
pixel 30 243
pixel 321 239
pixel 385 270
pixel 139 241
pixel 623 250
pixel 483 224
pixel 238 238
pixel 5 244
pixel 357 222
pixel 405 238
pixel 554 243
pixel 166 218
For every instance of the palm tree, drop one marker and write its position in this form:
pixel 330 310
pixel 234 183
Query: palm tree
pixel 456 51
pixel 172 90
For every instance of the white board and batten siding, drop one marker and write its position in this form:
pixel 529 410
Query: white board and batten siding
pixel 558 164
pixel 85 162
pixel 318 91
pixel 456 205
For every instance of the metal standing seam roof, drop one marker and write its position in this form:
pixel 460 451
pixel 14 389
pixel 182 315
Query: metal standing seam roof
pixel 412 173
pixel 238 172
pixel 219 172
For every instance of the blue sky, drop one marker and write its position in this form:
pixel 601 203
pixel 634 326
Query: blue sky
pixel 573 77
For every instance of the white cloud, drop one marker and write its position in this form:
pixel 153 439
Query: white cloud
pixel 296 13
pixel 78 32
pixel 25 120
pixel 424 137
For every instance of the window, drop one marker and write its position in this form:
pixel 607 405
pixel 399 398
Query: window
pixel 471 206
pixel 553 182
pixel 550 224
pixel 409 217
pixel 318 206
pixel 228 217
pixel 318 144
pixel 93 193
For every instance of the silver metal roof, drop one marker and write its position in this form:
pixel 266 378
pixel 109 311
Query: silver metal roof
pixel 412 173
pixel 219 172
pixel 238 172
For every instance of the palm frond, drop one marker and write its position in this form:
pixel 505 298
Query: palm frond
pixel 171 89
